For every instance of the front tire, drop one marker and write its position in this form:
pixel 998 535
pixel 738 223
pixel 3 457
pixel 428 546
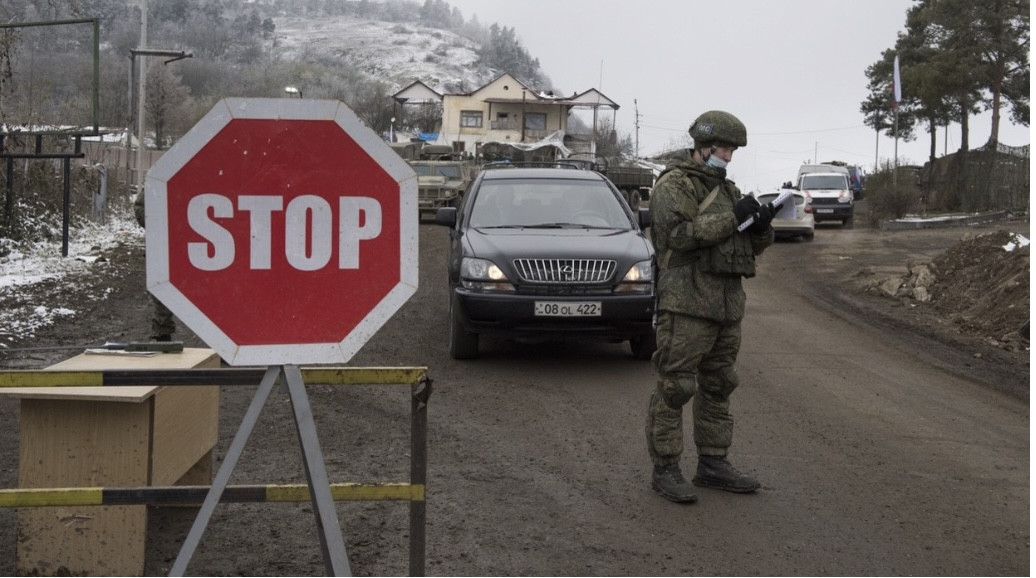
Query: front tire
pixel 463 345
pixel 643 346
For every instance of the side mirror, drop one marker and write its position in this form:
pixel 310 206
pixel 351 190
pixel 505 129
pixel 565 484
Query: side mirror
pixel 446 216
pixel 644 218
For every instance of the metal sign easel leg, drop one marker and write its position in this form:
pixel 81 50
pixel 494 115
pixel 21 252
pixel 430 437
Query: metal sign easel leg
pixel 331 541
pixel 336 561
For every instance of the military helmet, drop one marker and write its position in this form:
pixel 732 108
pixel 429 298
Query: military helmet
pixel 718 127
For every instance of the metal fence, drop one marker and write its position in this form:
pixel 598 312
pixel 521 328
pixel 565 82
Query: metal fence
pixel 984 179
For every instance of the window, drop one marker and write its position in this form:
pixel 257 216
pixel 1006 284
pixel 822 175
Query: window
pixel 816 181
pixel 471 118
pixel 535 121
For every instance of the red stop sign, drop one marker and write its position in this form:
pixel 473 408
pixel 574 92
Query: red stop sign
pixel 282 231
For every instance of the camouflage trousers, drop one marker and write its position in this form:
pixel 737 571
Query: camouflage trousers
pixel 163 325
pixel 694 361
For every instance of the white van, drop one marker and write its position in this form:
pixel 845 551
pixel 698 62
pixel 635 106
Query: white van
pixel 830 196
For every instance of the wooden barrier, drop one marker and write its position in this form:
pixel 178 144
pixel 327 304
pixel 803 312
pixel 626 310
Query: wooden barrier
pixel 90 436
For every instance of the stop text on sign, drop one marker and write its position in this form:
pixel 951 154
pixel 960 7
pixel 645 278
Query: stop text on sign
pixel 309 235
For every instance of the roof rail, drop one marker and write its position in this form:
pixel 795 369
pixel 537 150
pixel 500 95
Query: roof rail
pixel 558 164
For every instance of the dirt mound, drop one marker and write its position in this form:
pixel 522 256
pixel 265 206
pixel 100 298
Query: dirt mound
pixel 982 284
pixel 979 286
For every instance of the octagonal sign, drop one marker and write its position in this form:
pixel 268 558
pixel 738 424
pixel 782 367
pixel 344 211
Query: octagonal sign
pixel 282 231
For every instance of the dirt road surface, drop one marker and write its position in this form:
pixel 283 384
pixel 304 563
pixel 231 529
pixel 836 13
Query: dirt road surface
pixel 888 441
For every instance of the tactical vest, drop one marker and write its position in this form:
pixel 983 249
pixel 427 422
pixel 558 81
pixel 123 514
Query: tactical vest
pixel 732 257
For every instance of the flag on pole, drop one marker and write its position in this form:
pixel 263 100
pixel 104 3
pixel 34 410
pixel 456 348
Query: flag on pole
pixel 896 93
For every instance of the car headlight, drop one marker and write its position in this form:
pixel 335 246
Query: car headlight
pixel 483 275
pixel 638 279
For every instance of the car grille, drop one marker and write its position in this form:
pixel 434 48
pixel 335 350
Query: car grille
pixel 565 271
pixel 557 290
pixel 824 201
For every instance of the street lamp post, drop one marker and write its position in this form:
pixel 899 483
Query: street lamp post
pixel 392 129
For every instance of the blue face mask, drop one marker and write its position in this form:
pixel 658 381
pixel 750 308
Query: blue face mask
pixel 715 162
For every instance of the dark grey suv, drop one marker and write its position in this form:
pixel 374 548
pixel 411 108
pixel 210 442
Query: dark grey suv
pixel 543 253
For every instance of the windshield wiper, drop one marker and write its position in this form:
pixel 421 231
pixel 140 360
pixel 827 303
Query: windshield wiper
pixel 569 226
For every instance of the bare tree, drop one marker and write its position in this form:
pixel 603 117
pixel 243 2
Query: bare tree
pixel 165 102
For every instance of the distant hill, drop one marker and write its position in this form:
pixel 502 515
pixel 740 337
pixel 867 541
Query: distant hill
pixel 392 52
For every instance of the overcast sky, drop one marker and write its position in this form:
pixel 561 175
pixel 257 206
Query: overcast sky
pixel 793 72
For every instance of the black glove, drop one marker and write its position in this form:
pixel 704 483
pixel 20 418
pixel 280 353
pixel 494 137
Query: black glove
pixel 746 207
pixel 763 217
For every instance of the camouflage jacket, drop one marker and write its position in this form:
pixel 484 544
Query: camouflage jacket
pixel 684 237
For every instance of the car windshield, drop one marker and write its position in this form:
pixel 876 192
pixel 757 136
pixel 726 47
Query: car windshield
pixel 823 182
pixel 547 203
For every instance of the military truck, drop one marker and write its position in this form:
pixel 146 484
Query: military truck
pixel 635 182
pixel 442 176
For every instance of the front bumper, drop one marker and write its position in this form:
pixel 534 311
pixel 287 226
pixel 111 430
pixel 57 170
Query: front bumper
pixel 511 315
pixel 832 212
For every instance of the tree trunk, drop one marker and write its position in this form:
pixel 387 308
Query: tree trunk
pixel 933 132
pixel 994 131
pixel 962 158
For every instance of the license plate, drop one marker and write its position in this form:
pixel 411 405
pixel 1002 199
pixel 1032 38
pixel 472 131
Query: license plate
pixel 824 210
pixel 567 309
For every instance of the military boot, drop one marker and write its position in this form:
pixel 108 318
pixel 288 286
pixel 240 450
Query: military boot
pixel 716 472
pixel 669 483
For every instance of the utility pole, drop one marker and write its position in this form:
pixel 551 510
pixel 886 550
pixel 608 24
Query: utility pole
pixel 523 115
pixel 636 124
pixel 143 52
pixel 877 135
pixel 140 98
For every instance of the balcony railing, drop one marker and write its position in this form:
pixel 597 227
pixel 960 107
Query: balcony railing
pixel 505 125
pixel 530 134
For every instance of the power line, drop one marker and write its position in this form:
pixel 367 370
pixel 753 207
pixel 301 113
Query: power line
pixel 809 131
pixel 666 128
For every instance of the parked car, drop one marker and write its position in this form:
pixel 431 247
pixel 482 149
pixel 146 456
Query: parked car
pixel 830 196
pixel 540 253
pixel 801 226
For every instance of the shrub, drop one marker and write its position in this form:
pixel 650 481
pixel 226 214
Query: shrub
pixel 886 201
pixel 37 205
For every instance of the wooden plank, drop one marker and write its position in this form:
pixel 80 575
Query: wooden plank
pixel 188 358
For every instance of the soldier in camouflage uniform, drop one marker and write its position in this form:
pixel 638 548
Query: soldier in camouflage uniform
pixel 162 323
pixel 695 212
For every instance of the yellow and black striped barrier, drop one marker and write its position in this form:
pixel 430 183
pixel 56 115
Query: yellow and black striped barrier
pixel 203 376
pixel 195 495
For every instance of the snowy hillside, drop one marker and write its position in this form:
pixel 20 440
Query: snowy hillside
pixel 395 53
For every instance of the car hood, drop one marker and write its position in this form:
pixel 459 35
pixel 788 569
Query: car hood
pixel 503 245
